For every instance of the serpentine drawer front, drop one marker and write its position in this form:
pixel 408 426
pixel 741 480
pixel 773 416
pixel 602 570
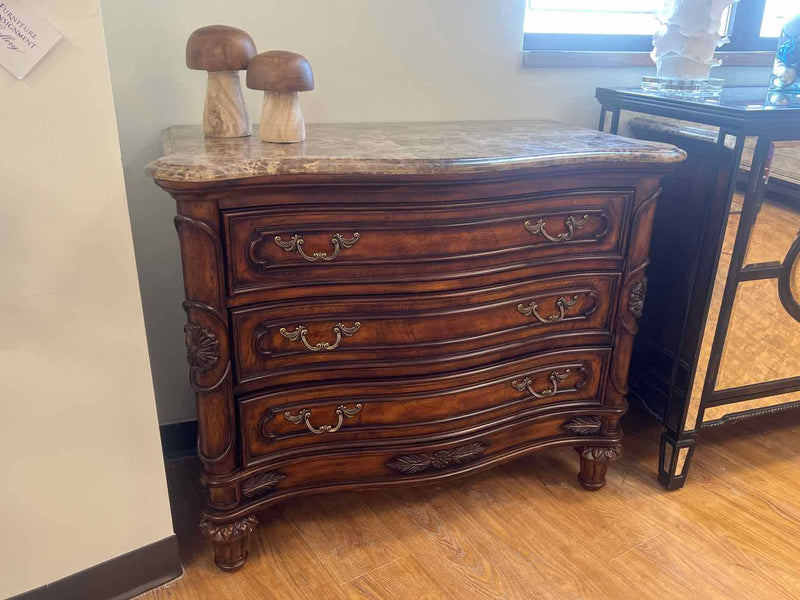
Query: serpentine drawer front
pixel 382 465
pixel 359 337
pixel 392 304
pixel 275 247
pixel 444 405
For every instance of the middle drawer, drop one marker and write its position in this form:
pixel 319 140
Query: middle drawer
pixel 296 342
pixel 304 419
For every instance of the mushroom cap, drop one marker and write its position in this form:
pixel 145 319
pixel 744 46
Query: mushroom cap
pixel 219 48
pixel 280 71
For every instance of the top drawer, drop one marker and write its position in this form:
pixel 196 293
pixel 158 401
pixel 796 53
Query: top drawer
pixel 342 245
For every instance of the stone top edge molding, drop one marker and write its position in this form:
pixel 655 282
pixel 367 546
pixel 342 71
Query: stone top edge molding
pixel 387 149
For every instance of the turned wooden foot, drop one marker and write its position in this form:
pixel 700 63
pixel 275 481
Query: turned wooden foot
pixel 229 541
pixel 594 465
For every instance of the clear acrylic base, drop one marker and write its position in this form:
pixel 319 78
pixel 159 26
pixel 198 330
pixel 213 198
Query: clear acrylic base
pixel 683 87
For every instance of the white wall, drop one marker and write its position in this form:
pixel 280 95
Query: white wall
pixel 373 60
pixel 82 473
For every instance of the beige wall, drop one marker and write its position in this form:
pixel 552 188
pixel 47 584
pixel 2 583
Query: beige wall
pixel 83 478
pixel 373 60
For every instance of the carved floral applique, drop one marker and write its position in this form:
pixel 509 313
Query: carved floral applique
pixel 202 347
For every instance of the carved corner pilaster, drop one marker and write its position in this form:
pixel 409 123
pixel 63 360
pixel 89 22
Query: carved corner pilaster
pixel 206 338
pixel 631 305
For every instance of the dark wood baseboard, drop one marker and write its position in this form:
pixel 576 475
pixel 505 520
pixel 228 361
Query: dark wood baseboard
pixel 120 578
pixel 179 440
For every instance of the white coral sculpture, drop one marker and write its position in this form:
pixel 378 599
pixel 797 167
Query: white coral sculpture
pixel 684 45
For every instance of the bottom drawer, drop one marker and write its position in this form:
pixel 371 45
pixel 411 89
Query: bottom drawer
pixel 396 464
pixel 302 419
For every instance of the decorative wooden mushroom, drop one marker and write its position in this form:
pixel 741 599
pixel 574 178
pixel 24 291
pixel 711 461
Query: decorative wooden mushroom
pixel 222 51
pixel 282 75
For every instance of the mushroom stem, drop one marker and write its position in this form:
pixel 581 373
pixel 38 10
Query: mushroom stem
pixel 281 118
pixel 226 113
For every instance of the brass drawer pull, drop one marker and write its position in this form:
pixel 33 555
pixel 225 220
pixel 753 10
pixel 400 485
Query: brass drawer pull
pixel 339 329
pixel 562 305
pixel 295 244
pixel 571 223
pixel 556 378
pixel 305 415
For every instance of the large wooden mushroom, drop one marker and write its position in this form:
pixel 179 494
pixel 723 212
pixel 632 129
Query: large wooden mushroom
pixel 222 51
pixel 282 76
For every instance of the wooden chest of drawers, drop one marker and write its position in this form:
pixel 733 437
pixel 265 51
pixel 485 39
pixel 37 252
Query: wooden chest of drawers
pixel 394 304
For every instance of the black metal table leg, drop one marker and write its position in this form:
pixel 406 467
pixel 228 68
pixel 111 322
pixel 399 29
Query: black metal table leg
pixel 602 125
pixel 615 121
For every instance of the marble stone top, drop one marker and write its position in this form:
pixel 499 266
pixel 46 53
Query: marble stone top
pixel 785 165
pixel 398 149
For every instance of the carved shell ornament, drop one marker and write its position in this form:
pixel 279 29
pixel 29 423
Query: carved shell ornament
pixel 202 347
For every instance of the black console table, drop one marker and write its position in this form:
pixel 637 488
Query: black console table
pixel 682 344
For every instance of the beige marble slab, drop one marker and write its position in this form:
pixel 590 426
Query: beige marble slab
pixel 398 149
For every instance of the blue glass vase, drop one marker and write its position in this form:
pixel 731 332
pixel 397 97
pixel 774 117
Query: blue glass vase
pixel 787 59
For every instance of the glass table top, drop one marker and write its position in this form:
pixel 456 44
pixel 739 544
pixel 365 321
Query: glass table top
pixel 746 100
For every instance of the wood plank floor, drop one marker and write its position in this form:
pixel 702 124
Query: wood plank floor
pixel 527 530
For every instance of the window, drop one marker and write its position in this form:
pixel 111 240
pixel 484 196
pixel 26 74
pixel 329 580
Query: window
pixel 756 24
pixel 775 13
pixel 628 25
pixel 590 24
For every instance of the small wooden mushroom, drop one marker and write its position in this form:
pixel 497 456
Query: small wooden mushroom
pixel 222 51
pixel 282 75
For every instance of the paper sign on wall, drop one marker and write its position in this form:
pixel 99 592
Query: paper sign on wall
pixel 25 37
